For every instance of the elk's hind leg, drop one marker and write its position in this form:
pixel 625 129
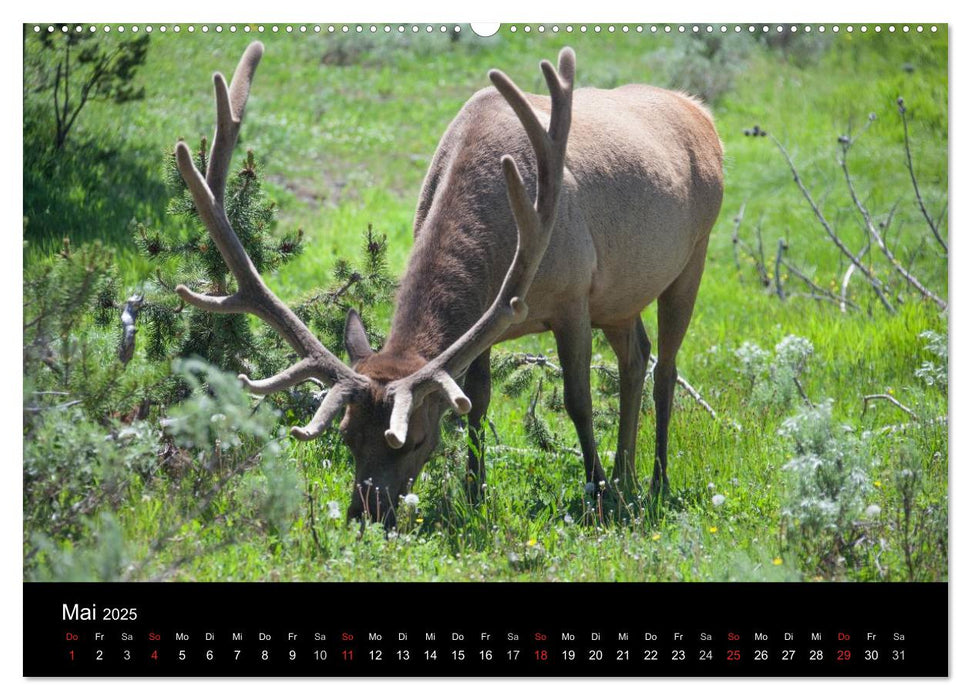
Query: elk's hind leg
pixel 574 345
pixel 633 350
pixel 478 387
pixel 674 309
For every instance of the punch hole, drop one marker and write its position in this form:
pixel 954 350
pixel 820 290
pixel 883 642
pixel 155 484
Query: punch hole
pixel 485 29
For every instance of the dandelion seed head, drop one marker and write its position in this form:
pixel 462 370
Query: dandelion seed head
pixel 717 500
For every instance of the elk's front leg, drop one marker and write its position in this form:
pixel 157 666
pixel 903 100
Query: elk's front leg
pixel 574 346
pixel 478 387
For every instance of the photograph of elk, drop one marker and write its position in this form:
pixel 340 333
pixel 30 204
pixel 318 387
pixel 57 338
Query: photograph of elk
pixel 355 303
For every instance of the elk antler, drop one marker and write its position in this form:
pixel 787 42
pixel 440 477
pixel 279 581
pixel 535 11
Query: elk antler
pixel 534 224
pixel 252 295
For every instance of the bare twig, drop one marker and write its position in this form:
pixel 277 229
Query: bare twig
pixel 902 109
pixel 802 392
pixel 874 232
pixel 39 409
pixel 692 392
pixel 778 264
pixel 886 397
pixel 876 283
pixel 818 293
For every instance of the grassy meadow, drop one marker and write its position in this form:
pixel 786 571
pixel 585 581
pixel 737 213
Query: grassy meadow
pixel 794 478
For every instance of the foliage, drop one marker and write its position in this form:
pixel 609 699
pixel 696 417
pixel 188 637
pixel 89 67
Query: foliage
pixel 827 484
pixel 774 380
pixel 229 340
pixel 934 371
pixel 69 352
pixel 226 340
pixel 72 68
pixel 704 65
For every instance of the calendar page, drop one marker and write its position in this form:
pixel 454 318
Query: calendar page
pixel 436 349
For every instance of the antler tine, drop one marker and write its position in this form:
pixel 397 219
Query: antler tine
pixel 230 106
pixel 336 397
pixel 253 296
pixel 291 376
pixel 534 225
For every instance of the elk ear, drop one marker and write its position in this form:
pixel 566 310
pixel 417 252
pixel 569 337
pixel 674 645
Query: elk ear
pixel 355 338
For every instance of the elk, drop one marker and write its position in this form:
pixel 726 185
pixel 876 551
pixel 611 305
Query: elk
pixel 621 190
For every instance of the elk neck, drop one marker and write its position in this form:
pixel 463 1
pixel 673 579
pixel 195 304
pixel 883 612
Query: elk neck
pixel 447 286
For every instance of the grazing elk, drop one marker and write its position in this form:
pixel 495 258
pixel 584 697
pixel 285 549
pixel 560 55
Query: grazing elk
pixel 622 214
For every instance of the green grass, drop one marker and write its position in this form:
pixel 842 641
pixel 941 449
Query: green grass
pixel 345 128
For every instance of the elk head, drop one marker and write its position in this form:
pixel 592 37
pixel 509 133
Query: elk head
pixel 393 404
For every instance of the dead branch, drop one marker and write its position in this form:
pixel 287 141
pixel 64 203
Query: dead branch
pixel 902 109
pixel 818 293
pixel 783 246
pixel 877 284
pixel 874 232
pixel 802 392
pixel 886 397
pixel 692 392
